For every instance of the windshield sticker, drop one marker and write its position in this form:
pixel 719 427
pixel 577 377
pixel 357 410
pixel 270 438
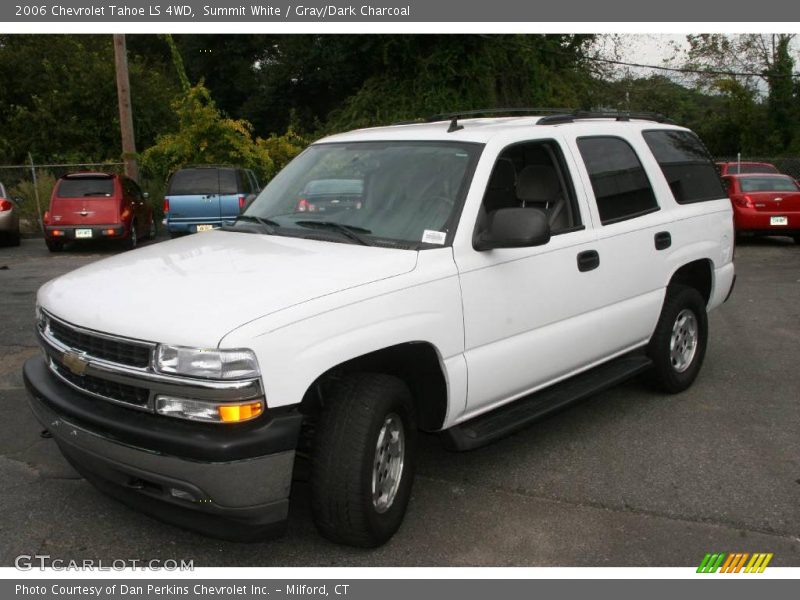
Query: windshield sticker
pixel 433 237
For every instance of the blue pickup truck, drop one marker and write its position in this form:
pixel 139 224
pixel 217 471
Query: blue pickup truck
pixel 200 198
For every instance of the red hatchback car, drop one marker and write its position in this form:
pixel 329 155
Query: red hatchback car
pixel 90 206
pixel 765 204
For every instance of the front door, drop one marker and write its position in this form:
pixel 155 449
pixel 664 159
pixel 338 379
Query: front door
pixel 530 314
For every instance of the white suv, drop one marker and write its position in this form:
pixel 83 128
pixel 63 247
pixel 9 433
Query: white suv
pixel 490 271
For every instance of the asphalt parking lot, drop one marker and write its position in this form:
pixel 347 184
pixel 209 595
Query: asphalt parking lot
pixel 630 478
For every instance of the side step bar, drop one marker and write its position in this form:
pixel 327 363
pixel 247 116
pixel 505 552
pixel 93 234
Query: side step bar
pixel 503 421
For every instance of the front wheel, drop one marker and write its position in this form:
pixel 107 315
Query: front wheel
pixel 362 464
pixel 679 342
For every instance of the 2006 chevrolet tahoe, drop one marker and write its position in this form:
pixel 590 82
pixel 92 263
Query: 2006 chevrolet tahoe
pixel 493 270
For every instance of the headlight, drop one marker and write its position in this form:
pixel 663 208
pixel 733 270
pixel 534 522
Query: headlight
pixel 207 363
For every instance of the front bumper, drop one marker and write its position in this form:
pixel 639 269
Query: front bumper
pixel 211 482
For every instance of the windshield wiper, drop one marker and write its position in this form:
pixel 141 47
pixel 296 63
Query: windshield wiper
pixel 349 231
pixel 268 225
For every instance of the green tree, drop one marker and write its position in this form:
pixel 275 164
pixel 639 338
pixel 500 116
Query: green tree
pixel 58 98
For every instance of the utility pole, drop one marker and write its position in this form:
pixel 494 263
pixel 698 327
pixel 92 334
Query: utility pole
pixel 125 111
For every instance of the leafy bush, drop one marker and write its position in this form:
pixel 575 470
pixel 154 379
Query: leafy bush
pixel 29 215
pixel 206 136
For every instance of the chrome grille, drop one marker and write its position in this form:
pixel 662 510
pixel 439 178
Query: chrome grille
pixel 110 390
pixel 106 348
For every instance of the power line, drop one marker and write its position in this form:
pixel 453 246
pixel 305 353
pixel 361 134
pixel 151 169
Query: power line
pixel 684 69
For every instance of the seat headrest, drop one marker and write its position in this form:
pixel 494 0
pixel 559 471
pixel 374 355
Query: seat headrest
pixel 504 175
pixel 538 183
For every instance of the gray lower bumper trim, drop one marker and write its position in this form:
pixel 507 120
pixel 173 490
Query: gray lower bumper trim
pixel 237 489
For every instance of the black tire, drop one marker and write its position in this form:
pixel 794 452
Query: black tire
pixel 796 239
pixel 16 239
pixel 152 230
pixel 132 241
pixel 669 375
pixel 54 246
pixel 344 459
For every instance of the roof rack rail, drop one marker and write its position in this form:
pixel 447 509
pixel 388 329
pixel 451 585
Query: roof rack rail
pixel 496 111
pixel 455 116
pixel 570 117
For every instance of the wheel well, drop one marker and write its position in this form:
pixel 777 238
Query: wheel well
pixel 416 363
pixel 696 274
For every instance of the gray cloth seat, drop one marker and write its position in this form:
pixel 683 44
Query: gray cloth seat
pixel 538 186
pixel 501 191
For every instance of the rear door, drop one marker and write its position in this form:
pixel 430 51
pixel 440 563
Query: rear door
pixel 194 196
pixel 90 199
pixel 628 222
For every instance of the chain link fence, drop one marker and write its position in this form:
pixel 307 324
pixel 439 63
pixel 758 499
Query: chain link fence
pixel 33 184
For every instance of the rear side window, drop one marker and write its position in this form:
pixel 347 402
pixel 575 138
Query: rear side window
pixel 686 165
pixel 190 182
pixel 78 187
pixel 620 184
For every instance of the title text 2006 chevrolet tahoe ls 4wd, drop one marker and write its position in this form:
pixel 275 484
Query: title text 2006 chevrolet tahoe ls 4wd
pixel 492 271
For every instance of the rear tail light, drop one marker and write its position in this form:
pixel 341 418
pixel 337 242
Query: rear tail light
pixel 46 217
pixel 241 203
pixel 304 205
pixel 56 233
pixel 166 205
pixel 5 205
pixel 744 202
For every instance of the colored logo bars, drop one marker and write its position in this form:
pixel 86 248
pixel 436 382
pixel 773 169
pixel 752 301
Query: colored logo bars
pixel 734 562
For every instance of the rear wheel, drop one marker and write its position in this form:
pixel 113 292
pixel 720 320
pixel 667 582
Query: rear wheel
pixel 152 230
pixel 54 246
pixel 133 239
pixel 678 345
pixel 362 464
pixel 796 239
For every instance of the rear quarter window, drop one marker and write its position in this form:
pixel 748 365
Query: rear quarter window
pixel 686 165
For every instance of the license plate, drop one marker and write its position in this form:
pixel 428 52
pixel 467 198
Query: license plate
pixel 205 227
pixel 778 221
pixel 82 234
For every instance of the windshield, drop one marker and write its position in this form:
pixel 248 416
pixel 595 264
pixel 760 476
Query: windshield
pixel 767 184
pixel 75 187
pixel 403 192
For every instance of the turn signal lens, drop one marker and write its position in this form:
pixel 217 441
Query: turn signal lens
pixel 240 412
pixel 209 412
pixel 56 233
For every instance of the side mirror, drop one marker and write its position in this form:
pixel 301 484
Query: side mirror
pixel 514 228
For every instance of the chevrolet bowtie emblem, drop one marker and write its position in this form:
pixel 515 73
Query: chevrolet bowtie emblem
pixel 75 362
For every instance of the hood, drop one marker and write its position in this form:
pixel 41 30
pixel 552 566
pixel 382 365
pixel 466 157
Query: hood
pixel 192 291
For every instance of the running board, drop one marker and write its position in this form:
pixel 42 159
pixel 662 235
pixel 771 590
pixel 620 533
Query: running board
pixel 503 421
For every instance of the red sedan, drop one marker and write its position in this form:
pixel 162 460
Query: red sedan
pixel 765 204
